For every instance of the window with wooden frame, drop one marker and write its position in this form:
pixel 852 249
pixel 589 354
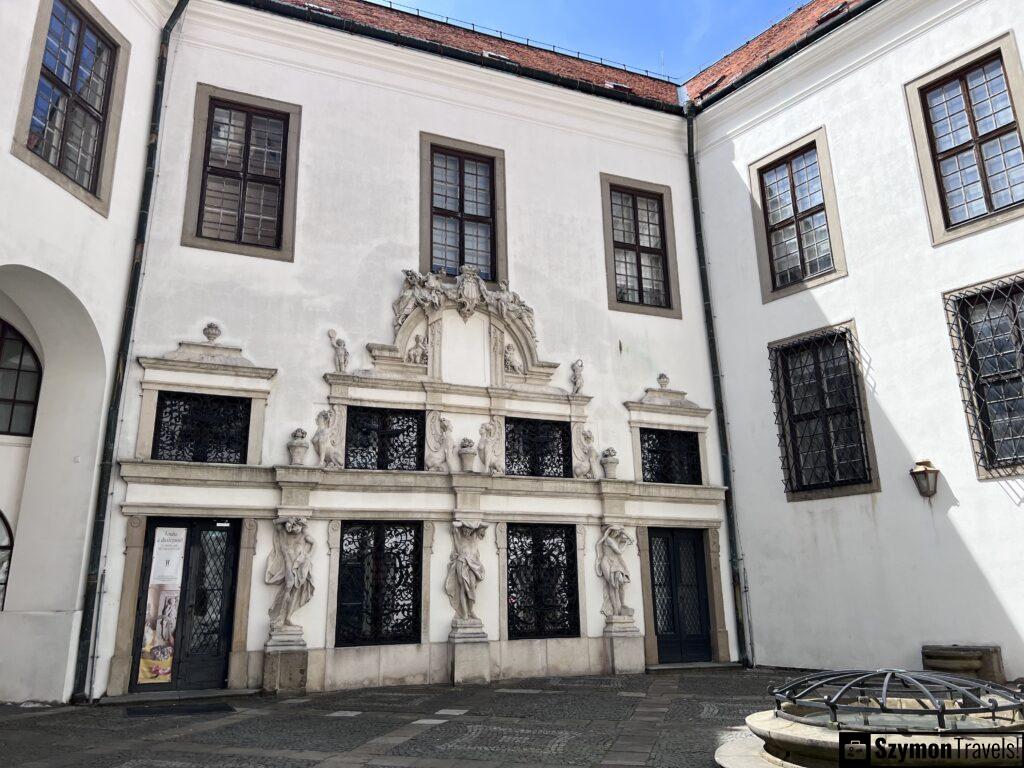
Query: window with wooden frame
pixel 243 175
pixel 975 141
pixel 823 433
pixel 67 129
pixel 987 327
pixel 795 218
pixel 20 377
pixel 638 239
pixel 462 224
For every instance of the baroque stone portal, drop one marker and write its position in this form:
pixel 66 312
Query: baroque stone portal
pixel 289 566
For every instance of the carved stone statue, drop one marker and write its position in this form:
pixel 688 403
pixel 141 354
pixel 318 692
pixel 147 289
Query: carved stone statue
pixel 290 566
pixel 612 570
pixel 577 377
pixel 212 333
pixel 491 447
pixel 465 570
pixel 469 291
pixel 586 461
pixel 327 440
pixel 424 291
pixel 663 381
pixel 512 364
pixel 419 352
pixel 340 351
pixel 508 304
pixel 440 454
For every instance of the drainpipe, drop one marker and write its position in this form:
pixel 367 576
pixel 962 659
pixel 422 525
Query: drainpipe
pixel 739 590
pixel 89 627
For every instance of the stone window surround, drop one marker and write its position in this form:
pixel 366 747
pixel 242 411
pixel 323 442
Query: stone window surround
pixel 429 140
pixel 874 485
pixel 982 472
pixel 635 425
pixel 674 308
pixel 716 601
pixel 1006 46
pixel 100 201
pixel 819 140
pixel 197 157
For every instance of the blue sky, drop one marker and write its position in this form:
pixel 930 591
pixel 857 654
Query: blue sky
pixel 677 37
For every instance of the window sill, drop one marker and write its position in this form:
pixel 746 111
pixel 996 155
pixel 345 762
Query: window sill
pixel 836 492
pixel 54 174
pixel 803 285
pixel 988 221
pixel 643 309
pixel 284 253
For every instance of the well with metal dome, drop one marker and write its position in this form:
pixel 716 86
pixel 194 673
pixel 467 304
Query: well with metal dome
pixel 909 707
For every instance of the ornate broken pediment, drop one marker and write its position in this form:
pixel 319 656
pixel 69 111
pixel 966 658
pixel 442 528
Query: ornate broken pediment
pixel 208 357
pixel 663 399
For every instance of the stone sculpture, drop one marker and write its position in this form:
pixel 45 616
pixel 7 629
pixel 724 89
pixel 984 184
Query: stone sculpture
pixel 586 461
pixel 470 291
pixel 211 332
pixel 512 364
pixel 491 447
pixel 425 291
pixel 440 454
pixel 663 381
pixel 419 352
pixel 465 571
pixel 340 351
pixel 508 304
pixel 610 463
pixel 290 566
pixel 297 447
pixel 327 440
pixel 577 377
pixel 613 571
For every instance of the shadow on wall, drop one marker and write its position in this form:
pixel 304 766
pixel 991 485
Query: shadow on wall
pixel 866 580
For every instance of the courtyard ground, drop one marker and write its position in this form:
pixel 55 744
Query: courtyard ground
pixel 662 719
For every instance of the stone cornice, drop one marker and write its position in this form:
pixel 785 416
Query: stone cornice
pixel 192 366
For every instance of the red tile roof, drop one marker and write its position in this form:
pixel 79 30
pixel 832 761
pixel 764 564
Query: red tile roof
pixel 791 30
pixel 550 62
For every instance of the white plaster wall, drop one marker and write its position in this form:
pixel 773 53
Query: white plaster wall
pixel 865 580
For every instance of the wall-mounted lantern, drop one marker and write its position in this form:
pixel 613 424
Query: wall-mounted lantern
pixel 926 478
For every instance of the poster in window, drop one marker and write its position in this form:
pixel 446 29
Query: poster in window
pixel 162 599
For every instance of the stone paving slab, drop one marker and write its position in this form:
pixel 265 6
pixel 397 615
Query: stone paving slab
pixel 663 720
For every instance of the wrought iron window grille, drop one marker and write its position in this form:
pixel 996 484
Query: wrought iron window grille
pixel 670 456
pixel 986 326
pixel 201 428
pixel 543 596
pixel 536 448
pixel 384 438
pixel 379 584
pixel 819 412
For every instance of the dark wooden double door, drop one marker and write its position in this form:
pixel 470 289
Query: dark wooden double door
pixel 186 605
pixel 679 591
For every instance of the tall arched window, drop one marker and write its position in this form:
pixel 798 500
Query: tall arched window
pixel 20 374
pixel 6 543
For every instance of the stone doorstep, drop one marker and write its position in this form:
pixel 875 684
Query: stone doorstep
pixel 154 696
pixel 694 665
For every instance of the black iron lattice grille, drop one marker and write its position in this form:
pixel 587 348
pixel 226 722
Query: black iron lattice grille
pixel 818 408
pixel 987 329
pixel 536 448
pixel 383 438
pixel 379 583
pixel 661 571
pixel 202 428
pixel 207 618
pixel 543 596
pixel 670 456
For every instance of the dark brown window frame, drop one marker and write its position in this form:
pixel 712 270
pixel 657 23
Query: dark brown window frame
pixel 639 250
pixel 8 331
pixel 244 176
pixel 461 216
pixel 85 22
pixel 797 216
pixel 974 145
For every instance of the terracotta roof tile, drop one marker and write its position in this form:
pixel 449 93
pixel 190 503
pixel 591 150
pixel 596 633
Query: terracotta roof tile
pixel 551 62
pixel 777 38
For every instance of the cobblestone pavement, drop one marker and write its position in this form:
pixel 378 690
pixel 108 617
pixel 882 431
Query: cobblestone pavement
pixel 664 719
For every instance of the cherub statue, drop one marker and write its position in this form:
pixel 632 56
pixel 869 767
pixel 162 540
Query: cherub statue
pixel 612 570
pixel 326 440
pixel 577 377
pixel 586 461
pixel 340 351
pixel 512 364
pixel 490 448
pixel 419 352
pixel 290 565
pixel 440 454
pixel 465 571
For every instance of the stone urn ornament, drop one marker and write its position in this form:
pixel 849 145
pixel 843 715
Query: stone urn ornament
pixel 212 333
pixel 610 463
pixel 297 448
pixel 467 454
